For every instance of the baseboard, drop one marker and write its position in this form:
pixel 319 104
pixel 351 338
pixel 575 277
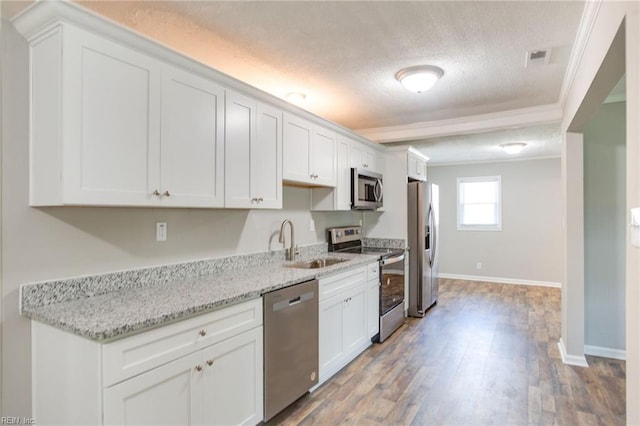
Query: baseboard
pixel 605 352
pixel 501 280
pixel 578 360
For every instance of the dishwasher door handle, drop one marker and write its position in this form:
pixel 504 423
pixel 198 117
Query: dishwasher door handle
pixel 287 303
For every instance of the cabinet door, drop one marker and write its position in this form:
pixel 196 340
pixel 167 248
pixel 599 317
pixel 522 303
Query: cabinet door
pixel 355 319
pixel 240 136
pixel 111 122
pixel 379 161
pixel 343 183
pixel 232 387
pixel 297 149
pixel 362 156
pixel 373 308
pixel 192 168
pixel 331 319
pixel 266 159
pixel 323 157
pixel 338 198
pixel 416 167
pixel 168 395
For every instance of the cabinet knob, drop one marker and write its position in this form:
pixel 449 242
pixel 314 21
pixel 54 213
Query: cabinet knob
pixel 166 194
pixel 156 193
pixel 209 362
pixel 366 165
pixel 198 368
pixel 203 332
pixel 260 200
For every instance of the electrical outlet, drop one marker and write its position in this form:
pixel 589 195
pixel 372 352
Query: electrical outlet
pixel 479 265
pixel 312 225
pixel 161 231
pixel 360 222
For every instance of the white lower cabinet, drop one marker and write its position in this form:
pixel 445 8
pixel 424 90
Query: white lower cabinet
pixel 214 386
pixel 373 299
pixel 168 395
pixel 206 370
pixel 344 316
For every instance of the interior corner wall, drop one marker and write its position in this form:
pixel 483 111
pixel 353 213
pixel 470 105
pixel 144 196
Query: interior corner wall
pixel 528 247
pixel 605 228
pixel 59 242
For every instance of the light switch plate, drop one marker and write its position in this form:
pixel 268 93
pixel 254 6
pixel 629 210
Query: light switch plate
pixel 161 231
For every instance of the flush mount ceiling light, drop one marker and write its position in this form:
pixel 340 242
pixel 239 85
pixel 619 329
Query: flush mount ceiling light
pixel 296 97
pixel 513 148
pixel 419 78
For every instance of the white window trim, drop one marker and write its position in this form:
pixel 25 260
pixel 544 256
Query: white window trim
pixel 497 227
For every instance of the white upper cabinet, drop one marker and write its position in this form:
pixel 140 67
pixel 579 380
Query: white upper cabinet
pixel 192 148
pixel 416 166
pixel 309 153
pixel 266 158
pixel 112 126
pixel 323 156
pixel 338 198
pixel 253 139
pixel 119 120
pixel 362 156
pixel 366 157
pixel 95 121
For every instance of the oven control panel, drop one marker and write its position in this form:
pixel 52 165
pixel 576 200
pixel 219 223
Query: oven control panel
pixel 344 234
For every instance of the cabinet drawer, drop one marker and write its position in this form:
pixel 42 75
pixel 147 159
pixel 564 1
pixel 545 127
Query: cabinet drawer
pixel 342 281
pixel 373 272
pixel 133 355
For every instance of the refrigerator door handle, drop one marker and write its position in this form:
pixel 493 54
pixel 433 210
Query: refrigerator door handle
pixel 432 236
pixel 435 236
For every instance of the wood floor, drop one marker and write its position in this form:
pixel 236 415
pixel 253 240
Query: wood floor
pixel 485 354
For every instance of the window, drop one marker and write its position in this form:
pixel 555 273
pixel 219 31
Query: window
pixel 479 204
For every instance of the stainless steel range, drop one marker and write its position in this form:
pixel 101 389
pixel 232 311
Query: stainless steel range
pixel 348 239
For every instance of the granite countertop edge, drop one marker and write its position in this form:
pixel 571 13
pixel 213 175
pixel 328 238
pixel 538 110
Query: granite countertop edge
pixel 123 313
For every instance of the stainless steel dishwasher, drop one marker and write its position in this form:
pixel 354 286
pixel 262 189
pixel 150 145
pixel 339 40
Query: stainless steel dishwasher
pixel 290 345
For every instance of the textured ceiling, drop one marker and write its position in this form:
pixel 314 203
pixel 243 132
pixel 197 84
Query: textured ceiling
pixel 542 141
pixel 344 55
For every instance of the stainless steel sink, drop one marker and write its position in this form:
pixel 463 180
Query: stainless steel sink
pixel 317 263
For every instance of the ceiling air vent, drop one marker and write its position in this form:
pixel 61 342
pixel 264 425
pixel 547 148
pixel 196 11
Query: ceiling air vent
pixel 537 57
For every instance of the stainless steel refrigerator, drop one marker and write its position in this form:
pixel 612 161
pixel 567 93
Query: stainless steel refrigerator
pixel 423 222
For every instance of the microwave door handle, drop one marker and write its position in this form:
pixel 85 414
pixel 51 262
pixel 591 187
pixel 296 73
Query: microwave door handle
pixel 378 190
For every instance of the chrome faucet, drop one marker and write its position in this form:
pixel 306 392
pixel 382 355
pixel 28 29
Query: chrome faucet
pixel 292 251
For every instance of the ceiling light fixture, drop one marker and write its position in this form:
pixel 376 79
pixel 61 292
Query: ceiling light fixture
pixel 296 97
pixel 513 148
pixel 419 78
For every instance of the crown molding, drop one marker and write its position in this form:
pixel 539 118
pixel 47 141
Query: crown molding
pixel 587 21
pixel 543 114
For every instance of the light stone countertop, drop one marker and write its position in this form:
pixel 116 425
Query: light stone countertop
pixel 124 312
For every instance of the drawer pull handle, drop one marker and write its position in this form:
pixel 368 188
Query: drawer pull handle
pixel 203 332
pixel 198 368
pixel 209 362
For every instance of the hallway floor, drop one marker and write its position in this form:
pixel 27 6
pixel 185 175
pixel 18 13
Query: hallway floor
pixel 485 354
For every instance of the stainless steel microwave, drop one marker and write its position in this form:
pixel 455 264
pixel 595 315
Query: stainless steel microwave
pixel 366 189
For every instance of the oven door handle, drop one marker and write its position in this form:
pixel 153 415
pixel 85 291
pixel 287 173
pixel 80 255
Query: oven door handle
pixel 390 260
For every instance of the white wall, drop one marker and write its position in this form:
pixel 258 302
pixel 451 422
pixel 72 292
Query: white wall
pixel 58 242
pixel 605 228
pixel 601 35
pixel 528 247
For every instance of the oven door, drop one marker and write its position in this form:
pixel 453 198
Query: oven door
pixel 366 190
pixel 391 283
